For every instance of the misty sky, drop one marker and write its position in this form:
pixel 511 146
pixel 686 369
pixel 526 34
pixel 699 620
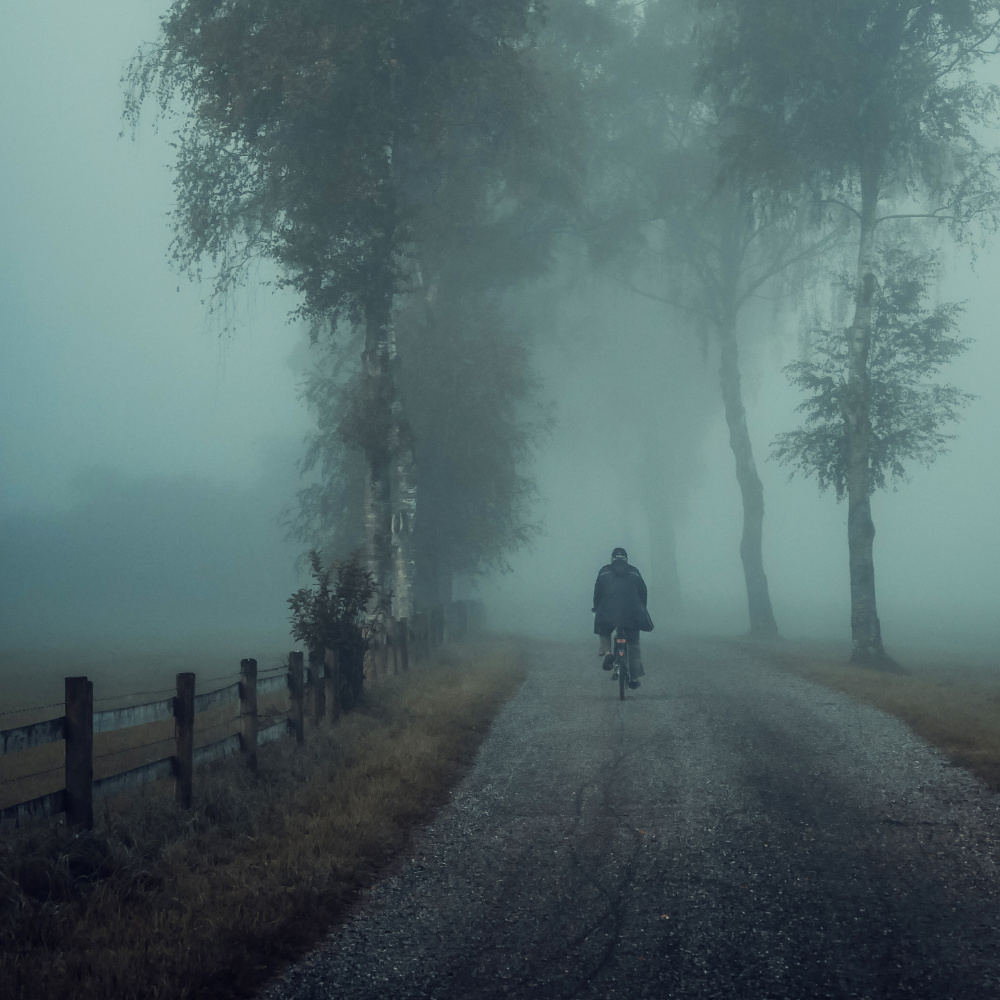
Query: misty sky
pixel 121 406
pixel 117 391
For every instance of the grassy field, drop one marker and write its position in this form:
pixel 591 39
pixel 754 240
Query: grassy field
pixel 953 702
pixel 159 903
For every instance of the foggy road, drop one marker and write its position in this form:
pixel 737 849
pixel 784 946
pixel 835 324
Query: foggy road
pixel 728 831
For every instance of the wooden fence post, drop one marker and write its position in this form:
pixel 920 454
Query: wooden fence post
pixel 248 712
pixel 391 665
pixel 295 695
pixel 316 686
pixel 184 739
pixel 332 685
pixel 403 644
pixel 413 646
pixel 438 617
pixel 458 619
pixel 79 752
pixel 420 644
pixel 382 651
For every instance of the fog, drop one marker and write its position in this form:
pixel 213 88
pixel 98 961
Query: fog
pixel 937 548
pixel 146 456
pixel 147 453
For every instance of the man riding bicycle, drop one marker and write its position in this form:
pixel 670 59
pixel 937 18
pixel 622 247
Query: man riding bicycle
pixel 620 602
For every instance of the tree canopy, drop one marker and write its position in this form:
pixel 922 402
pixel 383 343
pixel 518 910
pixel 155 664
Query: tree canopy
pixel 367 149
pixel 876 94
pixel 911 343
pixel 318 130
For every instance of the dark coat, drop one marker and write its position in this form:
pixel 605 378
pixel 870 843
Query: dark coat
pixel 620 599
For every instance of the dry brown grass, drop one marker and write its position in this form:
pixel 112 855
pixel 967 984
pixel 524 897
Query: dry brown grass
pixel 953 703
pixel 158 903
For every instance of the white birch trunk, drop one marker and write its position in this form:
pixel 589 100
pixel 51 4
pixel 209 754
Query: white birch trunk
pixel 404 518
pixel 378 510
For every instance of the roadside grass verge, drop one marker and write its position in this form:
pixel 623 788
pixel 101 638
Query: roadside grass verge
pixel 953 703
pixel 161 903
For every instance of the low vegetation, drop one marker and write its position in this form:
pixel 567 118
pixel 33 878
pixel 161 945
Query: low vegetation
pixel 161 903
pixel 953 704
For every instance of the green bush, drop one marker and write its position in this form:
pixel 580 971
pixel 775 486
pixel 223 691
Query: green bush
pixel 343 611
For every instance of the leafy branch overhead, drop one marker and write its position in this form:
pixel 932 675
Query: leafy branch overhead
pixel 911 343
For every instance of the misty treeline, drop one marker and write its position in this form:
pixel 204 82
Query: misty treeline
pixel 444 183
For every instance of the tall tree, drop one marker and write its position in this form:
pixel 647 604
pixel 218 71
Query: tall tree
pixel 317 134
pixel 871 106
pixel 464 368
pixel 676 234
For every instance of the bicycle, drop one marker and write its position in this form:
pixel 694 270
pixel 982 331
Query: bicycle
pixel 621 663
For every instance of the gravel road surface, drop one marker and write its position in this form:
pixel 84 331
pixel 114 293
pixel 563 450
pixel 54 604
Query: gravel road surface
pixel 728 831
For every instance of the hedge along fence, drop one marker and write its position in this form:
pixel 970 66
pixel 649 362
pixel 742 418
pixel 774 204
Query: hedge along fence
pixel 318 685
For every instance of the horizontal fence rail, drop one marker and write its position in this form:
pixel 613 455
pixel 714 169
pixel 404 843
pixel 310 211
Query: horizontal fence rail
pixel 218 749
pixel 273 733
pixel 272 684
pixel 127 718
pixel 319 683
pixel 29 737
pixel 141 775
pixel 215 699
pixel 40 808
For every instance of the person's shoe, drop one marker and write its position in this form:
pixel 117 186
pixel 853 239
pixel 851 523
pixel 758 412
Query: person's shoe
pixel 614 676
pixel 633 684
pixel 609 662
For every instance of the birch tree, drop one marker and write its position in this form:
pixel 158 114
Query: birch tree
pixel 316 134
pixel 910 408
pixel 472 400
pixel 872 106
pixel 463 361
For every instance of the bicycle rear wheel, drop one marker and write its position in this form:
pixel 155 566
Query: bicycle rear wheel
pixel 622 676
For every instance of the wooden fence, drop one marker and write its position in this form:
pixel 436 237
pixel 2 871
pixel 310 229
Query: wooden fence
pixel 314 689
